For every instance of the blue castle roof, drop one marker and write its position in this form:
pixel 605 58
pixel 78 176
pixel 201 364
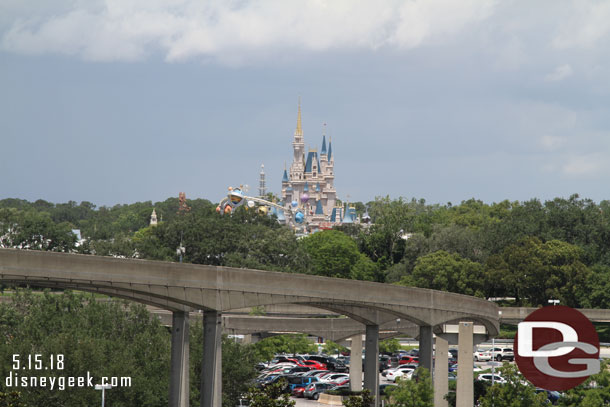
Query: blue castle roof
pixel 350 216
pixel 313 155
pixel 335 215
pixel 319 210
pixel 323 151
pixel 285 177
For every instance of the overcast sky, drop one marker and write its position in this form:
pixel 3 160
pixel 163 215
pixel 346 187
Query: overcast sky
pixel 118 101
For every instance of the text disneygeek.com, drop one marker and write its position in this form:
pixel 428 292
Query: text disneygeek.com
pixel 14 380
pixel 23 364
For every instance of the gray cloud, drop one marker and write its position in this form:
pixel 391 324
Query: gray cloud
pixel 132 29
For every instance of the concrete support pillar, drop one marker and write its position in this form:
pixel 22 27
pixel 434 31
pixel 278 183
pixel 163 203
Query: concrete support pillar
pixel 441 379
pixel 179 369
pixel 425 347
pixel 211 367
pixel 247 339
pixel 355 364
pixel 371 361
pixel 465 383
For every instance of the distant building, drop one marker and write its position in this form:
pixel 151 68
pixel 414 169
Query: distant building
pixel 153 218
pixel 262 185
pixel 310 182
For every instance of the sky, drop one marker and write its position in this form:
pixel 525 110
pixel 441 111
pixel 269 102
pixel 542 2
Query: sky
pixel 120 101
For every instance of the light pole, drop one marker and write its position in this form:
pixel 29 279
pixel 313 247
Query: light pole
pixel 103 388
pixel 180 251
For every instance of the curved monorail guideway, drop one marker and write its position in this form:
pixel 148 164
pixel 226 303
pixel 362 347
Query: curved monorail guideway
pixel 182 288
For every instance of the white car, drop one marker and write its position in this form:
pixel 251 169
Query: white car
pixel 333 377
pixel 401 373
pixel 486 377
pixel 481 355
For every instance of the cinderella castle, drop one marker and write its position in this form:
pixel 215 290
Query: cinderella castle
pixel 309 185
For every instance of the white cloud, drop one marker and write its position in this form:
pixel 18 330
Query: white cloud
pixel 585 165
pixel 559 74
pixel 550 143
pixel 585 25
pixel 419 20
pixel 132 29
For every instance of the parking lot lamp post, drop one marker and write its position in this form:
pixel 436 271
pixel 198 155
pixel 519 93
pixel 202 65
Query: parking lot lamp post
pixel 103 388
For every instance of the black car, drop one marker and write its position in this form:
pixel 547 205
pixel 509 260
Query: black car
pixel 295 369
pixel 384 387
pixel 385 362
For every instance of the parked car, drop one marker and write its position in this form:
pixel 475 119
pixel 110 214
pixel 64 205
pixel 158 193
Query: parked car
pixel 453 352
pixel 386 371
pixel 294 369
pixel 552 396
pixel 400 373
pixel 333 377
pixel 312 364
pixel 501 354
pixel 316 372
pixel 481 355
pixel 383 388
pixel 486 377
pixel 454 368
pixel 384 363
pixel 298 392
pixel 330 362
pixel 408 360
pixel 313 390
pixel 300 381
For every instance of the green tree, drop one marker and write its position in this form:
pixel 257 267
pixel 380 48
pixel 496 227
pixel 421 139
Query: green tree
pixel 269 396
pixel 595 391
pixel 447 272
pixel 333 254
pixel 238 366
pixel 284 344
pixel 539 271
pixel 515 393
pixel 238 370
pixel 331 347
pixel 598 288
pixel 110 338
pixel 413 393
pixel 12 399
pixel 363 400
pixel 389 345
pixel 34 230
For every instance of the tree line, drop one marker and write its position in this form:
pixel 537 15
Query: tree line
pixel 528 252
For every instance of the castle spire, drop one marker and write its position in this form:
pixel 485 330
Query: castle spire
pixel 299 130
pixel 323 151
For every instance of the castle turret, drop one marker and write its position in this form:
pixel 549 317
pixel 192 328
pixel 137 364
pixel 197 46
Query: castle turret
pixel 310 178
pixel 153 218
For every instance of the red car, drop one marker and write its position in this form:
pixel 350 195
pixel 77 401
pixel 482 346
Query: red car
pixel 298 392
pixel 312 364
pixel 408 360
pixel 340 382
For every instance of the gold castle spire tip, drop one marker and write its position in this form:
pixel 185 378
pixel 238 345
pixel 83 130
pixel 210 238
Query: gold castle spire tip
pixel 299 130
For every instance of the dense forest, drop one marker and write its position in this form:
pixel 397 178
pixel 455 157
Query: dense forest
pixel 524 252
